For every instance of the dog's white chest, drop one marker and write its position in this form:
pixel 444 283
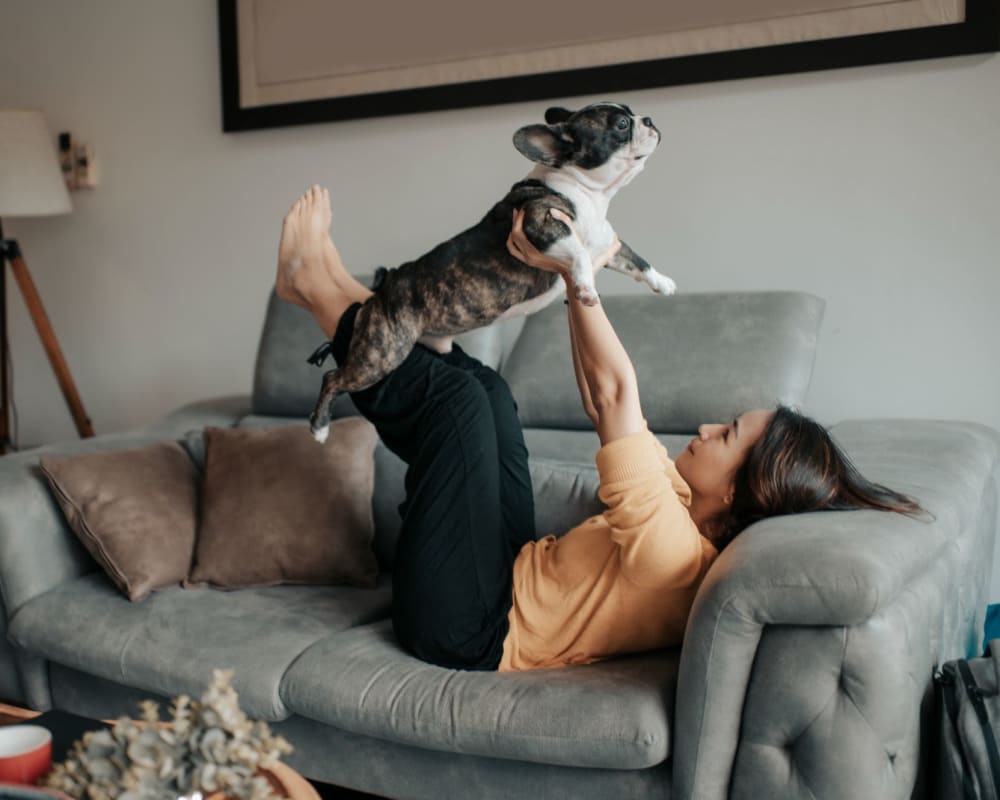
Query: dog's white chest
pixel 595 235
pixel 600 235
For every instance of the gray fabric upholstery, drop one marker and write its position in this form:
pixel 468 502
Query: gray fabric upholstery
pixel 806 666
pixel 267 420
pixel 170 642
pixel 389 494
pixel 580 447
pixel 86 694
pixel 11 690
pixel 565 492
pixel 37 549
pixel 698 357
pixel 285 384
pixel 900 594
pixel 614 714
pixel 388 769
pixel 221 412
pixel 33 671
pixel 565 495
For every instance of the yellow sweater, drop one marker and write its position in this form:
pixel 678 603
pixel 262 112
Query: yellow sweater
pixel 622 581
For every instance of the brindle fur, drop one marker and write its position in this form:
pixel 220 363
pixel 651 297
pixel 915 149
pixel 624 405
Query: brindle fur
pixel 464 283
pixel 471 280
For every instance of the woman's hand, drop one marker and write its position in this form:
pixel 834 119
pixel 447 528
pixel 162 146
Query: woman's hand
pixel 522 249
pixel 519 246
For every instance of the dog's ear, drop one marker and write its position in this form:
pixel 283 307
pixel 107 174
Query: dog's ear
pixel 547 144
pixel 557 114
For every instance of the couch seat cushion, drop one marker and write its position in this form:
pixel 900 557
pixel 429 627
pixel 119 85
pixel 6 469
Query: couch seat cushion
pixel 171 641
pixel 614 714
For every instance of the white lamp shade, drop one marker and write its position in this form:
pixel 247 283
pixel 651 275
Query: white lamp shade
pixel 31 181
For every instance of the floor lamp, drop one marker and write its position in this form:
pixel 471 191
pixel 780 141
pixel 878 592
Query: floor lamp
pixel 31 185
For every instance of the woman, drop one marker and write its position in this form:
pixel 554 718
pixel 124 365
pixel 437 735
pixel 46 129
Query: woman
pixel 472 589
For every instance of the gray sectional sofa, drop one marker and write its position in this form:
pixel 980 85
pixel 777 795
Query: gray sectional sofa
pixel 806 667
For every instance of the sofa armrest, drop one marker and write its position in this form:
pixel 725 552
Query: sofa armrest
pixel 11 690
pixel 222 412
pixel 852 571
pixel 38 551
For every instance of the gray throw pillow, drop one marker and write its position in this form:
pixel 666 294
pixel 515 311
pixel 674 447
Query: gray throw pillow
pixel 136 511
pixel 279 507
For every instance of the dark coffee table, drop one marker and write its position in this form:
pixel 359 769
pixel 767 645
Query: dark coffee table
pixel 66 728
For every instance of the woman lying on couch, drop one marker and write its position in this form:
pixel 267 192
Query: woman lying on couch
pixel 472 589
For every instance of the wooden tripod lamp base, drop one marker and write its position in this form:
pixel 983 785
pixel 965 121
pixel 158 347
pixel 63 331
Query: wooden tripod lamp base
pixel 10 252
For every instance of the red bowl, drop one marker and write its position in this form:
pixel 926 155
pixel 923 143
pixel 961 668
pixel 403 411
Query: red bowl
pixel 25 753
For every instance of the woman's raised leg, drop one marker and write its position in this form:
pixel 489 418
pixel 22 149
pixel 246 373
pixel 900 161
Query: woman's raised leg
pixel 516 493
pixel 452 576
pixel 310 272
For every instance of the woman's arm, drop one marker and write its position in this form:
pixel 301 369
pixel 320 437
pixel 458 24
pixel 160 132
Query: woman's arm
pixel 609 389
pixel 581 378
pixel 609 374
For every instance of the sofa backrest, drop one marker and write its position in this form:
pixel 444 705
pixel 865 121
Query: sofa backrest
pixel 286 385
pixel 698 357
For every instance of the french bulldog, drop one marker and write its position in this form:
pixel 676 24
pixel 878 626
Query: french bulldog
pixel 581 160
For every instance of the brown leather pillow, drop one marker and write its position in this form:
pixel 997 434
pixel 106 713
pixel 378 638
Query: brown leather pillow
pixel 279 507
pixel 135 510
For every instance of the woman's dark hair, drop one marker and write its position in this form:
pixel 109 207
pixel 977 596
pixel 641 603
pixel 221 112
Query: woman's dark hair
pixel 796 466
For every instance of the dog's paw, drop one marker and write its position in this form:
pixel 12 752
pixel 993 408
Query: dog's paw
pixel 320 434
pixel 661 284
pixel 587 294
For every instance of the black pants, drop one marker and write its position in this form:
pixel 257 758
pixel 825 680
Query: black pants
pixel 469 506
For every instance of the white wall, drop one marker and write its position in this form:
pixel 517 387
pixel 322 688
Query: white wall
pixel 875 188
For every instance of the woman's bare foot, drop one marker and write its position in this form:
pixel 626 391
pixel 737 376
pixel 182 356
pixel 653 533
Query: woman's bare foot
pixel 302 276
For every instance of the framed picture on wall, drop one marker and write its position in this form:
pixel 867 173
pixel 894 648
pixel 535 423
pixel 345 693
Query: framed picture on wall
pixel 291 62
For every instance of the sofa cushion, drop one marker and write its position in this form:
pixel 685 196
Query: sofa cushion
pixel 135 510
pixel 170 643
pixel 580 447
pixel 387 495
pixel 565 491
pixel 565 495
pixel 563 477
pixel 285 384
pixel 278 507
pixel 612 714
pixel 712 357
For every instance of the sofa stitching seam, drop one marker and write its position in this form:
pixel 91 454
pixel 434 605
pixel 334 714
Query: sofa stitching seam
pixel 701 720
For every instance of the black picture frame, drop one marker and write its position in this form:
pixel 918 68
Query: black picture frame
pixel 978 33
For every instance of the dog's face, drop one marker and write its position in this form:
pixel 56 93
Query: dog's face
pixel 606 139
